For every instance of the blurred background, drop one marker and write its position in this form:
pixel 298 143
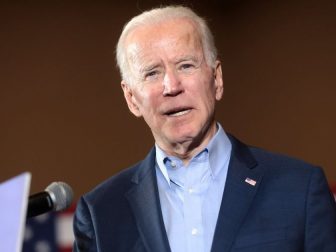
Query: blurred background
pixel 63 115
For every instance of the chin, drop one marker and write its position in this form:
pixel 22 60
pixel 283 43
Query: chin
pixel 182 135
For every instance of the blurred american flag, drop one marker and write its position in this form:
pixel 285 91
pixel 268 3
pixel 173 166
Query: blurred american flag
pixel 52 232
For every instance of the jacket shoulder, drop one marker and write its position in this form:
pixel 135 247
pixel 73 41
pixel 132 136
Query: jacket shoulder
pixel 268 159
pixel 278 169
pixel 278 159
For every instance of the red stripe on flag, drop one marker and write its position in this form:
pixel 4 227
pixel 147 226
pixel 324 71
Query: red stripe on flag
pixel 333 189
pixel 65 249
pixel 64 233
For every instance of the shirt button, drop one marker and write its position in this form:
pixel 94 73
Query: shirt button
pixel 190 190
pixel 173 164
pixel 194 231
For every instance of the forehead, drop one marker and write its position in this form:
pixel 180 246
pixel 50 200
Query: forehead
pixel 166 36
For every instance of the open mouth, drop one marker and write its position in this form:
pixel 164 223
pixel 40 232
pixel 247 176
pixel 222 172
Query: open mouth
pixel 178 112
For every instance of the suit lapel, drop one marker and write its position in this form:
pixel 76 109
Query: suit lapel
pixel 144 200
pixel 237 197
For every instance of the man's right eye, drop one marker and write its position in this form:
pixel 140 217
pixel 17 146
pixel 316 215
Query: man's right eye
pixel 151 75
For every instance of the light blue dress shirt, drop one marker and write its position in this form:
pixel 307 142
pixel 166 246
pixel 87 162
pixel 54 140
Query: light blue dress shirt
pixel 190 196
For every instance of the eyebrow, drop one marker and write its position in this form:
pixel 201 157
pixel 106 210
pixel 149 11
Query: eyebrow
pixel 197 60
pixel 148 67
pixel 187 58
pixel 145 68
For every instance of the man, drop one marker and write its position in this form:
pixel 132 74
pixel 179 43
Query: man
pixel 198 189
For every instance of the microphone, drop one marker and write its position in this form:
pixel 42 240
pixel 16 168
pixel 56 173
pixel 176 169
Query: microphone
pixel 56 197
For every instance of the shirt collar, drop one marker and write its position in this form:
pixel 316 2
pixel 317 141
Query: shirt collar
pixel 219 149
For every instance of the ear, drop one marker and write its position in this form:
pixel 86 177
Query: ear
pixel 218 78
pixel 130 99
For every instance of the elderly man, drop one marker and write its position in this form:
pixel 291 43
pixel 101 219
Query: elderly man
pixel 198 189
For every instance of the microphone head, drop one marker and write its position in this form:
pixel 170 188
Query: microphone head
pixel 61 195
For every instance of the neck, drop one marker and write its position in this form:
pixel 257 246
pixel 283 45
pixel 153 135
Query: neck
pixel 185 150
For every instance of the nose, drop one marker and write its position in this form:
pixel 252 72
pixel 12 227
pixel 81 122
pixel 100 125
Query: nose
pixel 171 84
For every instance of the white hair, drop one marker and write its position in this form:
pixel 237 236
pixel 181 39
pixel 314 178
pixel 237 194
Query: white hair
pixel 158 15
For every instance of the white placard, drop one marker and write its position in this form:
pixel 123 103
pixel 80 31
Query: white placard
pixel 13 211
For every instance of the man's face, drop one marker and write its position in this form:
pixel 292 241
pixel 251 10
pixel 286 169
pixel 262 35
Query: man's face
pixel 173 87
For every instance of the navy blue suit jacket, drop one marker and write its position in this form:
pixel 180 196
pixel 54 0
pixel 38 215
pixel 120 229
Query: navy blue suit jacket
pixel 290 208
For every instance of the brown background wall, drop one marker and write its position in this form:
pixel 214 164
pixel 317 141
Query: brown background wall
pixel 62 113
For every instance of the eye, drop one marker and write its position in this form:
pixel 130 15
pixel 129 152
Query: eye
pixel 186 66
pixel 151 75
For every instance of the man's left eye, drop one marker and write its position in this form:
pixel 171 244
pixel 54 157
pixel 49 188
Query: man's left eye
pixel 187 67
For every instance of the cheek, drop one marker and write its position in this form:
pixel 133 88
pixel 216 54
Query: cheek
pixel 148 99
pixel 205 88
pixel 207 96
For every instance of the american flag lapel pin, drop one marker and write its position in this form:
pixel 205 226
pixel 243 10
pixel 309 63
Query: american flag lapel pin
pixel 250 181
